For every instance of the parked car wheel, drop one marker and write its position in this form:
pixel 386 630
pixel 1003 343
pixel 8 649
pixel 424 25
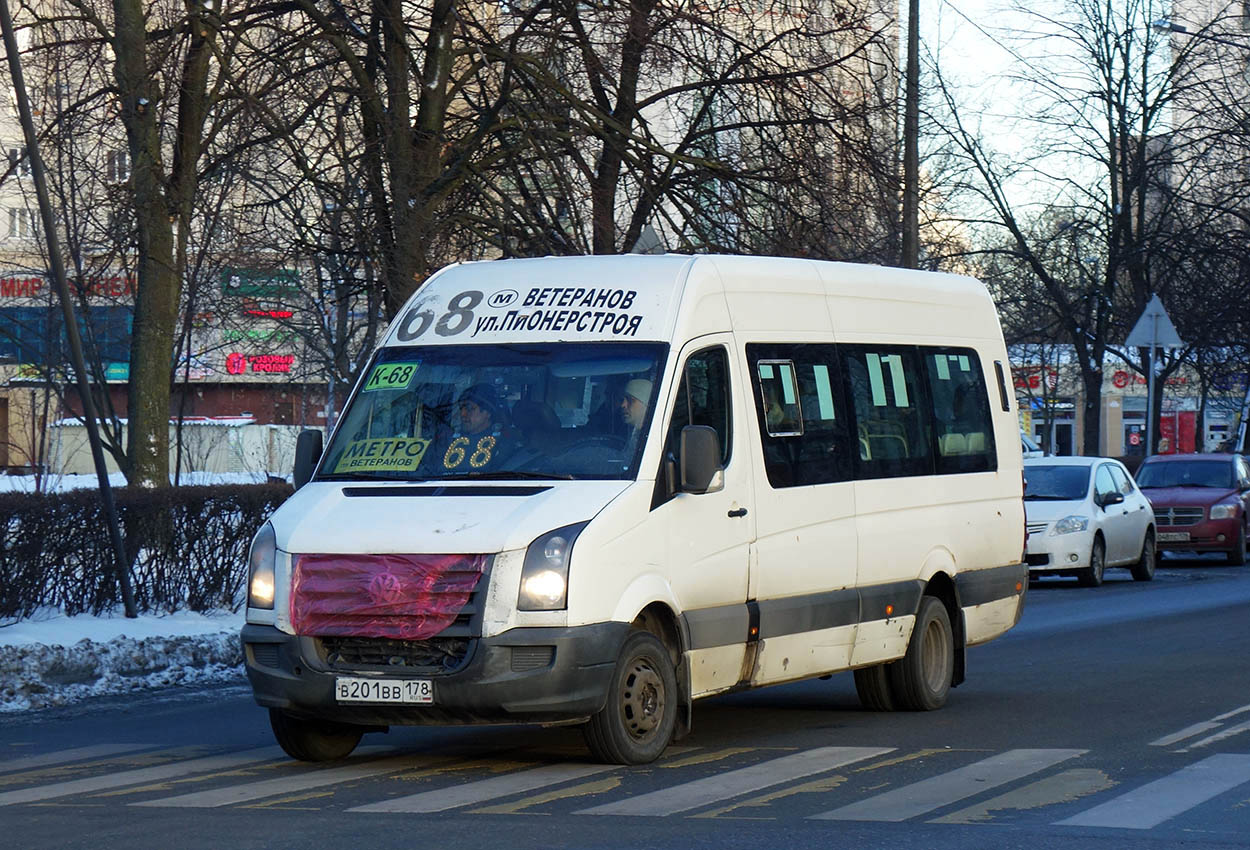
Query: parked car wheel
pixel 1237 557
pixel 921 679
pixel 640 716
pixel 873 686
pixel 1091 576
pixel 1144 569
pixel 313 740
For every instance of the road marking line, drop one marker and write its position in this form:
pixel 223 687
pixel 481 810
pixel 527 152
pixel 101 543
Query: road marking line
pixel 63 756
pixel 134 777
pixel 487 789
pixel 1187 732
pixel 922 797
pixel 1155 802
pixel 249 791
pixel 713 789
pixel 1219 736
pixel 1198 728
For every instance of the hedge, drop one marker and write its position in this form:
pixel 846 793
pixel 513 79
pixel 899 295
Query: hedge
pixel 187 548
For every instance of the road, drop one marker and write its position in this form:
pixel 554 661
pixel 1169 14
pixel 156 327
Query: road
pixel 1110 717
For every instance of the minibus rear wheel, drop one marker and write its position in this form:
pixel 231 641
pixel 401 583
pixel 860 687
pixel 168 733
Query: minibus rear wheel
pixel 921 679
pixel 313 740
pixel 640 716
pixel 873 686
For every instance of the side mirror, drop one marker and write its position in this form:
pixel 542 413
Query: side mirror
pixel 1112 499
pixel 307 453
pixel 701 471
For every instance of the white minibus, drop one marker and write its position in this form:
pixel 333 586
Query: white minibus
pixel 593 490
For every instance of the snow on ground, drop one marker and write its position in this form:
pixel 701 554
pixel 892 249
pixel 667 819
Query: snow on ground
pixel 61 483
pixel 54 660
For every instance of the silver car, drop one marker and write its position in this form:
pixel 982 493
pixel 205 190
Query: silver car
pixel 1085 514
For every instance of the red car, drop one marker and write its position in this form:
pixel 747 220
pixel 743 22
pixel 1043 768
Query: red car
pixel 1200 501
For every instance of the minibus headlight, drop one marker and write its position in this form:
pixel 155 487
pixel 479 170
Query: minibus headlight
pixel 260 567
pixel 545 575
pixel 1224 511
pixel 1071 524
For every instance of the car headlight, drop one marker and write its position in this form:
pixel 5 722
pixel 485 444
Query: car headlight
pixel 260 566
pixel 1071 524
pixel 1225 511
pixel 545 574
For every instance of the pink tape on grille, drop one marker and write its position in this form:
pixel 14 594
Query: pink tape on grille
pixel 406 597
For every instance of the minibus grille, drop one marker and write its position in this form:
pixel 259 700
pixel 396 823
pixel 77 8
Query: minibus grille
pixel 429 657
pixel 403 598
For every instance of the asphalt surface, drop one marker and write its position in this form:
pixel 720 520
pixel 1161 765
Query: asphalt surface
pixel 1110 717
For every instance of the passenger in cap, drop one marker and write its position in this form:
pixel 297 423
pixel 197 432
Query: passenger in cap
pixel 634 403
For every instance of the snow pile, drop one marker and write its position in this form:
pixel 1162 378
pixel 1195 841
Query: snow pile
pixel 61 660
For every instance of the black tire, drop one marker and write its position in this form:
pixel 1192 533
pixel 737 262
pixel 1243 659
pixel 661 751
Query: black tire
pixel 1237 557
pixel 921 679
pixel 313 740
pixel 1144 569
pixel 637 723
pixel 873 686
pixel 1092 575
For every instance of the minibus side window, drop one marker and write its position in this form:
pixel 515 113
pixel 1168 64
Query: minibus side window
pixel 892 417
pixel 702 399
pixel 804 427
pixel 961 411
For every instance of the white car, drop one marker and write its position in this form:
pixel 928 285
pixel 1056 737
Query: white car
pixel 1028 448
pixel 1085 514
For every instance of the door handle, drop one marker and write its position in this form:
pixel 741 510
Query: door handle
pixel 737 512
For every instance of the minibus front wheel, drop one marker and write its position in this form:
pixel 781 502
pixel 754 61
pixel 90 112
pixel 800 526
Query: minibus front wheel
pixel 313 740
pixel 637 722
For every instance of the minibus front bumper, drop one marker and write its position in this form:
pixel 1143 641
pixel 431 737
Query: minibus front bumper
pixel 523 675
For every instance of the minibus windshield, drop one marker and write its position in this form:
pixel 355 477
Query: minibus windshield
pixel 532 411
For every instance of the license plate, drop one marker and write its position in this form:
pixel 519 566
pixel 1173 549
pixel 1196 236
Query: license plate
pixel 1173 536
pixel 419 691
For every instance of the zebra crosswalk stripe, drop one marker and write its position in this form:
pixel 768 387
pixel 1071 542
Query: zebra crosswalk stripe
pixel 136 777
pixel 924 796
pixel 63 756
pixel 1155 802
pixel 713 789
pixel 487 789
pixel 250 791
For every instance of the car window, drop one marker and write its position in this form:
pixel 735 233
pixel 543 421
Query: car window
pixel 1122 481
pixel 1055 483
pixel 1186 473
pixel 1104 484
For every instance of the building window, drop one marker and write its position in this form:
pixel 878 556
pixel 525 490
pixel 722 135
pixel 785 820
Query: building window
pixel 19 162
pixel 118 168
pixel 21 224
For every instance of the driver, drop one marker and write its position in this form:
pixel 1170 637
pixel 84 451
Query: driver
pixel 482 439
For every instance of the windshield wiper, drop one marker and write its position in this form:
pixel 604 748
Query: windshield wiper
pixel 507 476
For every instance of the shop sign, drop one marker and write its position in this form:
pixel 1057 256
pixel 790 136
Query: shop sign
pixel 258 335
pixel 240 364
pixel 112 371
pixel 1030 377
pixel 1123 379
pixel 21 287
pixel 259 283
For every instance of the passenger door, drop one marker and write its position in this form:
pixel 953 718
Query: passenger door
pixel 709 534
pixel 1138 512
pixel 1116 526
pixel 803 580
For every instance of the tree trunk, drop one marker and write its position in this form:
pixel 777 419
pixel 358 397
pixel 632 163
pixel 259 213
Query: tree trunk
pixel 1091 424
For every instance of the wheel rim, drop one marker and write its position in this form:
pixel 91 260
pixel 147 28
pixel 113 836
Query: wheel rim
pixel 935 650
pixel 642 699
pixel 1099 564
pixel 1148 557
